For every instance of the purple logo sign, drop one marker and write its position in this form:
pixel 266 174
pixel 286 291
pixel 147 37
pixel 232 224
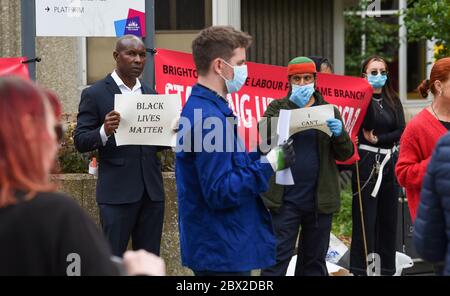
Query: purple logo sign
pixel 134 24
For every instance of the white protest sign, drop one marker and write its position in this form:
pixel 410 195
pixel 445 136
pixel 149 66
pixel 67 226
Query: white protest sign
pixel 313 117
pixel 293 121
pixel 102 18
pixel 147 119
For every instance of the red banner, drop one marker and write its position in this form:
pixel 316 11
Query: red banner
pixel 351 95
pixel 175 73
pixel 14 66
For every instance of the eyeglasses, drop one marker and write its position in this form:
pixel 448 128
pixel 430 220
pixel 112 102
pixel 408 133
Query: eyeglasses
pixel 375 72
pixel 59 132
pixel 307 78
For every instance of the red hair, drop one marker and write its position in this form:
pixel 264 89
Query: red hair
pixel 440 71
pixel 21 165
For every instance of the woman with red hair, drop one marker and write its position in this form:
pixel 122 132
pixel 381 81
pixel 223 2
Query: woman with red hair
pixel 43 232
pixel 422 133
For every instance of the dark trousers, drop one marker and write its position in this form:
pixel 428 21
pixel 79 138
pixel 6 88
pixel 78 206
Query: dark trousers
pixel 439 268
pixel 218 273
pixel 380 218
pixel 142 221
pixel 313 243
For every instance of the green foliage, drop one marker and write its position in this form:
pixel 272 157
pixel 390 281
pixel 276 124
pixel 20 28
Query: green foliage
pixel 429 20
pixel 342 221
pixel 381 38
pixel 69 159
pixel 167 158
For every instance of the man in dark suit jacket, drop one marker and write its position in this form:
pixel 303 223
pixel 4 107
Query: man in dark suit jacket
pixel 130 192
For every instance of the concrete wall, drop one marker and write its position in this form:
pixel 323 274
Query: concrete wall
pixel 60 67
pixel 175 40
pixel 410 112
pixel 10 39
pixel 82 188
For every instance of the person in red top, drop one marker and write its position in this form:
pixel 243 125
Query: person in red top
pixel 422 133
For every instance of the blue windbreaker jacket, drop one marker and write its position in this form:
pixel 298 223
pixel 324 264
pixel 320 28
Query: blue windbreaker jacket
pixel 224 225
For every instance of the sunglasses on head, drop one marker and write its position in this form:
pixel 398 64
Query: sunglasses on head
pixel 375 72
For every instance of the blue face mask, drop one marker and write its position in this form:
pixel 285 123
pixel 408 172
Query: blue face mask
pixel 377 81
pixel 239 78
pixel 300 95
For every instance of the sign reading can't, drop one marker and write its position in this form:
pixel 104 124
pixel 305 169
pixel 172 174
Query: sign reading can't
pixel 101 18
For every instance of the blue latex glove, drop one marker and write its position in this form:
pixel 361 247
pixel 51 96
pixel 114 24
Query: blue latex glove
pixel 335 126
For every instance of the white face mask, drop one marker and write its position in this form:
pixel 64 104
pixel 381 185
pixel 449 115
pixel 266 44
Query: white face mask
pixel 239 77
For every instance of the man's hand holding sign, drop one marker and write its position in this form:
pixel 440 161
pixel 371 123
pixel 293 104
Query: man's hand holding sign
pixel 112 120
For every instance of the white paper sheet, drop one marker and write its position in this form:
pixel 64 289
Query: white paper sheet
pixel 293 121
pixel 284 177
pixel 313 117
pixel 147 119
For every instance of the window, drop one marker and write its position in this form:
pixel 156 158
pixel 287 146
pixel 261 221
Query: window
pixel 408 61
pixel 182 14
pixel 99 58
pixel 389 4
pixel 417 68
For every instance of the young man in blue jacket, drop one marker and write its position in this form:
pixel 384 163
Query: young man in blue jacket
pixel 225 229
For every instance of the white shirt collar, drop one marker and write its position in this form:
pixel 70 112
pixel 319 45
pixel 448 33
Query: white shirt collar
pixel 122 85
